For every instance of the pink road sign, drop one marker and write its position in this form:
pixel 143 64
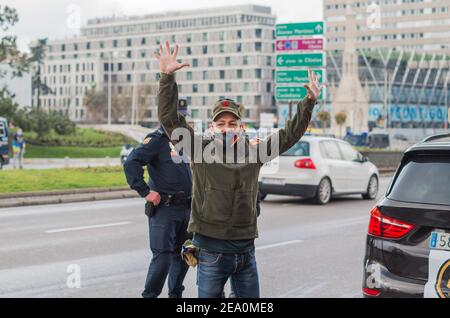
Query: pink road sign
pixel 300 45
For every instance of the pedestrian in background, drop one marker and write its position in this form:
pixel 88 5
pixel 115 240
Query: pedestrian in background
pixel 18 147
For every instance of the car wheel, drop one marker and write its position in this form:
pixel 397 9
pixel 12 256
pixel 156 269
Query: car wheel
pixel 323 194
pixel 372 189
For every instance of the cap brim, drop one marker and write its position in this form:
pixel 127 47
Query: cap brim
pixel 235 113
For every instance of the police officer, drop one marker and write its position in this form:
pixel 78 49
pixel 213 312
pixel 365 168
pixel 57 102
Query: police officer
pixel 168 198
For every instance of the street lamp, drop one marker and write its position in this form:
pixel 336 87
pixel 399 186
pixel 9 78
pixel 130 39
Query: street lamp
pixel 110 59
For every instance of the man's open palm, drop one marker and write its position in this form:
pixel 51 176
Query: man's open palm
pixel 168 61
pixel 313 88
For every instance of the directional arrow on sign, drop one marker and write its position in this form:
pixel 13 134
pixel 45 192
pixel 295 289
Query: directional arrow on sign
pixel 280 60
pixel 319 28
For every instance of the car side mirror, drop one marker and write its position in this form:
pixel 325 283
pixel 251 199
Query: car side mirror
pixel 362 158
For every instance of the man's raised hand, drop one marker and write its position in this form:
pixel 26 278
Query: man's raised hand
pixel 313 87
pixel 168 61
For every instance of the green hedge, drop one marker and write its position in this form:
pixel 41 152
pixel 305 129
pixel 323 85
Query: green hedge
pixel 83 137
pixel 33 151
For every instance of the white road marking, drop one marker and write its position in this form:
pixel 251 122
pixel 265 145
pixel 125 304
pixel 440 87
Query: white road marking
pixel 304 291
pixel 88 227
pixel 278 244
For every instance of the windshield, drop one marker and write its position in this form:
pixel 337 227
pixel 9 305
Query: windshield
pixel 423 180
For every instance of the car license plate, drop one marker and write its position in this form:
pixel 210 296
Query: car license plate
pixel 440 241
pixel 273 181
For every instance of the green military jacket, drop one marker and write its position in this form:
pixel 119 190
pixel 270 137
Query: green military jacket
pixel 224 194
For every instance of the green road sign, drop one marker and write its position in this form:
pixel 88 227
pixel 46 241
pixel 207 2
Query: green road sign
pixel 300 29
pixel 300 60
pixel 294 93
pixel 297 77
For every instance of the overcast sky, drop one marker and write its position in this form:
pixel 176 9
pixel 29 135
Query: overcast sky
pixel 53 18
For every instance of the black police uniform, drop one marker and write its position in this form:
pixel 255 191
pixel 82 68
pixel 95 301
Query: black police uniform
pixel 170 176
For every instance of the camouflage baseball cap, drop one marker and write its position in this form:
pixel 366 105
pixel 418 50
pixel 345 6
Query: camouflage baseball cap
pixel 227 106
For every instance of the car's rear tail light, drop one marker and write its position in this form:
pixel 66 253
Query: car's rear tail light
pixel 305 163
pixel 371 292
pixel 383 226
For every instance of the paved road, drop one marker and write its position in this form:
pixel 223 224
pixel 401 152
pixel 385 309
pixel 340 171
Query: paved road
pixel 304 250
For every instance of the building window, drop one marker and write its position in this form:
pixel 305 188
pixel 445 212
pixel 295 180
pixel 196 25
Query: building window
pixel 210 62
pixel 221 48
pixel 128 78
pixel 257 100
pixel 228 61
pixel 205 49
pixel 211 88
pixel 245 60
pixel 129 42
pixel 239 47
pixel 239 74
pixel 239 34
pixel 228 87
pixel 194 113
pixel 194 88
pixel 258 33
pixel 258 73
pixel 268 87
pixel 129 54
pixel 114 43
pixel 189 76
pixel 205 36
pixel 194 62
pixel 222 74
pixel 258 46
pixel 269 61
pixel 205 75
pixel 189 50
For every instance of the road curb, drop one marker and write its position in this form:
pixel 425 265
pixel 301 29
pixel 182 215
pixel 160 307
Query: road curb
pixel 60 192
pixel 93 195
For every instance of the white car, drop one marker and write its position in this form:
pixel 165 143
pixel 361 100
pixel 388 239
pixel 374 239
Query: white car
pixel 320 168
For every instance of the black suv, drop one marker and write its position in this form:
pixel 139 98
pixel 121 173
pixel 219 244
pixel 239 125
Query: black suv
pixel 408 241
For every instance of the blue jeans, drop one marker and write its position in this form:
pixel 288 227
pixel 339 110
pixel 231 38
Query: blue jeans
pixel 214 269
pixel 168 231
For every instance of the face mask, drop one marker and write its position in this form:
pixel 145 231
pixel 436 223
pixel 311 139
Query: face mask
pixel 228 138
